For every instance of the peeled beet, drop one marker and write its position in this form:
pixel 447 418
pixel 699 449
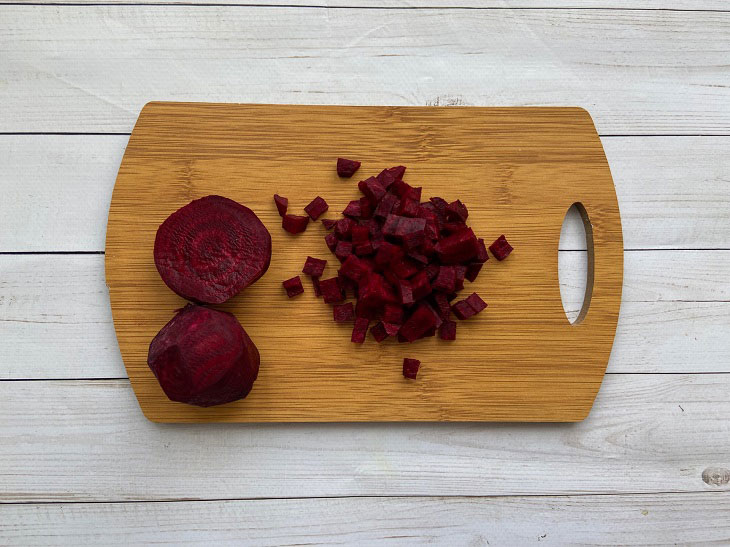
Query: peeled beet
pixel 212 248
pixel 203 357
pixel 410 368
pixel 346 168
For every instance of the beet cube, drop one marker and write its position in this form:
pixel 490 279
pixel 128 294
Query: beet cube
pixel 378 331
pixel 328 223
pixel 331 290
pixel 372 189
pixel 343 313
pixel 314 266
pixel 460 274
pixel 366 208
pixel 446 279
pixel 461 246
pixel 386 205
pixel 404 268
pixel 476 302
pixel 400 188
pixel 282 204
pixel 360 235
pixel 385 178
pixel 410 368
pixel 462 310
pixel 472 271
pixel 456 211
pixel 387 253
pixel 354 268
pixel 393 314
pixel 413 241
pixel 399 226
pixel 316 208
pixel 432 270
pixel 360 330
pixel 315 284
pixel 408 207
pixel 346 168
pixel 375 293
pixel 500 248
pixel 294 224
pixel 440 204
pixel 406 293
pixel 447 330
pixel 343 228
pixel 364 249
pixel 443 308
pixel 482 255
pixel 418 257
pixel 331 241
pixel 353 209
pixel 343 250
pixel 418 324
pixel 293 286
pixel 420 286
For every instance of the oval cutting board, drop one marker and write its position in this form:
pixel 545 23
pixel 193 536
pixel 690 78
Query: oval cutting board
pixel 518 170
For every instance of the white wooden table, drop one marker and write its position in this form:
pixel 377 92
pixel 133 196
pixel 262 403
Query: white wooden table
pixel 80 465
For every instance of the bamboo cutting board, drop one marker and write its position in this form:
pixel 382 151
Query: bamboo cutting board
pixel 518 170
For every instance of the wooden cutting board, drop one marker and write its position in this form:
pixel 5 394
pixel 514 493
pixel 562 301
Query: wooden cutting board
pixel 518 170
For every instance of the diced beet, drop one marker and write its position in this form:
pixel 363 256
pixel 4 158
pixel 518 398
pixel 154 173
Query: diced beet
pixel 440 204
pixel 410 368
pixel 449 228
pixel 378 331
pixel 386 205
pixel 315 284
pixel 314 266
pixel 374 294
pixel 447 330
pixel 443 308
pixel 436 314
pixel 293 286
pixel 472 271
pixel 451 296
pixel 420 286
pixel 372 189
pixel 328 223
pixel 366 208
pixel 343 228
pixel 460 274
pixel 446 279
pixel 353 209
pixel 316 208
pixel 387 253
pixel 294 224
pixel 343 250
pixel 404 268
pixel 476 302
pixel 429 332
pixel 343 312
pixel 211 249
pixel 360 235
pixel 413 241
pixel 331 241
pixel 432 270
pixel 386 178
pixel 414 194
pixel 360 330
pixel 203 357
pixel 422 320
pixel 456 211
pixel 408 207
pixel 459 247
pixel 482 255
pixel 406 292
pixel 364 249
pixel 418 257
pixel 500 248
pixel 462 310
pixel 346 168
pixel 393 314
pixel 282 204
pixel 331 290
pixel 400 188
pixel 353 268
pixel 348 285
pixel 398 226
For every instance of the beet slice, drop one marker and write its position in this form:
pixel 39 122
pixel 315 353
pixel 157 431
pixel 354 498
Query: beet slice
pixel 314 266
pixel 211 249
pixel 282 204
pixel 501 248
pixel 410 368
pixel 346 168
pixel 203 357
pixel 359 330
pixel 447 330
pixel 343 312
pixel 316 208
pixel 294 224
pixel 293 286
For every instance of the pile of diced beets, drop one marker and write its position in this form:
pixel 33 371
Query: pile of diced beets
pixel 404 260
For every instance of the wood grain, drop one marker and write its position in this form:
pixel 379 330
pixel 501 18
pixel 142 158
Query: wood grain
pixel 697 518
pixel 518 169
pixel 92 68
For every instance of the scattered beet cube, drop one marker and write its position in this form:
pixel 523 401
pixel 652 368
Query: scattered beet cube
pixel 282 204
pixel 447 330
pixel 346 168
pixel 500 248
pixel 294 224
pixel 476 302
pixel 315 284
pixel 462 310
pixel 314 266
pixel 360 330
pixel 410 368
pixel 331 290
pixel 378 331
pixel 343 312
pixel 293 286
pixel 328 223
pixel 316 208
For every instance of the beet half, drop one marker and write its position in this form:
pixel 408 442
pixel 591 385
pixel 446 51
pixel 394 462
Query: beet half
pixel 203 357
pixel 211 249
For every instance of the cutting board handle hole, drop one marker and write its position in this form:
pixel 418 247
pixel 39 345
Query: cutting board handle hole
pixel 575 263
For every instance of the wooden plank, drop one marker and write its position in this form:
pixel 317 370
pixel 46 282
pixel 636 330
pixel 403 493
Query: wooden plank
pixel 88 441
pixel 76 68
pixel 672 191
pixel 556 520
pixel 674 317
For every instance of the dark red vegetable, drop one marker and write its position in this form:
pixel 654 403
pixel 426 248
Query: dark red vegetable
pixel 346 168
pixel 328 223
pixel 282 204
pixel 293 286
pixel 359 330
pixel 476 302
pixel 472 271
pixel 316 208
pixel 410 368
pixel 294 224
pixel 456 211
pixel 314 266
pixel 378 331
pixel 418 324
pixel 500 248
pixel 343 312
pixel 447 330
pixel 460 246
pixel 331 290
pixel 204 357
pixel 331 241
pixel 315 284
pixel 353 209
pixel 471 305
pixel 343 250
pixel 372 189
pixel 212 248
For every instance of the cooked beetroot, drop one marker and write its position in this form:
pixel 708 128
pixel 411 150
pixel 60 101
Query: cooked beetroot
pixel 443 308
pixel 315 284
pixel 343 250
pixel 406 292
pixel 203 357
pixel 378 331
pixel 343 228
pixel 462 310
pixel 346 168
pixel 420 286
pixel 353 209
pixel 456 211
pixel 314 266
pixel 418 324
pixel 328 223
pixel 354 268
pixel 482 255
pixel 282 204
pixel 372 189
pixel 331 241
pixel 410 368
pixel 391 329
pixel 366 208
pixel 360 235
pixel 212 248
pixel 294 224
pixel 386 205
pixel 293 286
pixel 476 302
pixel 447 330
pixel 359 330
pixel 399 226
pixel 404 268
pixel 500 248
pixel 460 274
pixel 388 253
pixel 393 313
pixel 331 290
pixel 440 204
pixel 446 279
pixel 316 208
pixel 472 271
pixel 343 312
pixel 364 250
pixel 460 246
